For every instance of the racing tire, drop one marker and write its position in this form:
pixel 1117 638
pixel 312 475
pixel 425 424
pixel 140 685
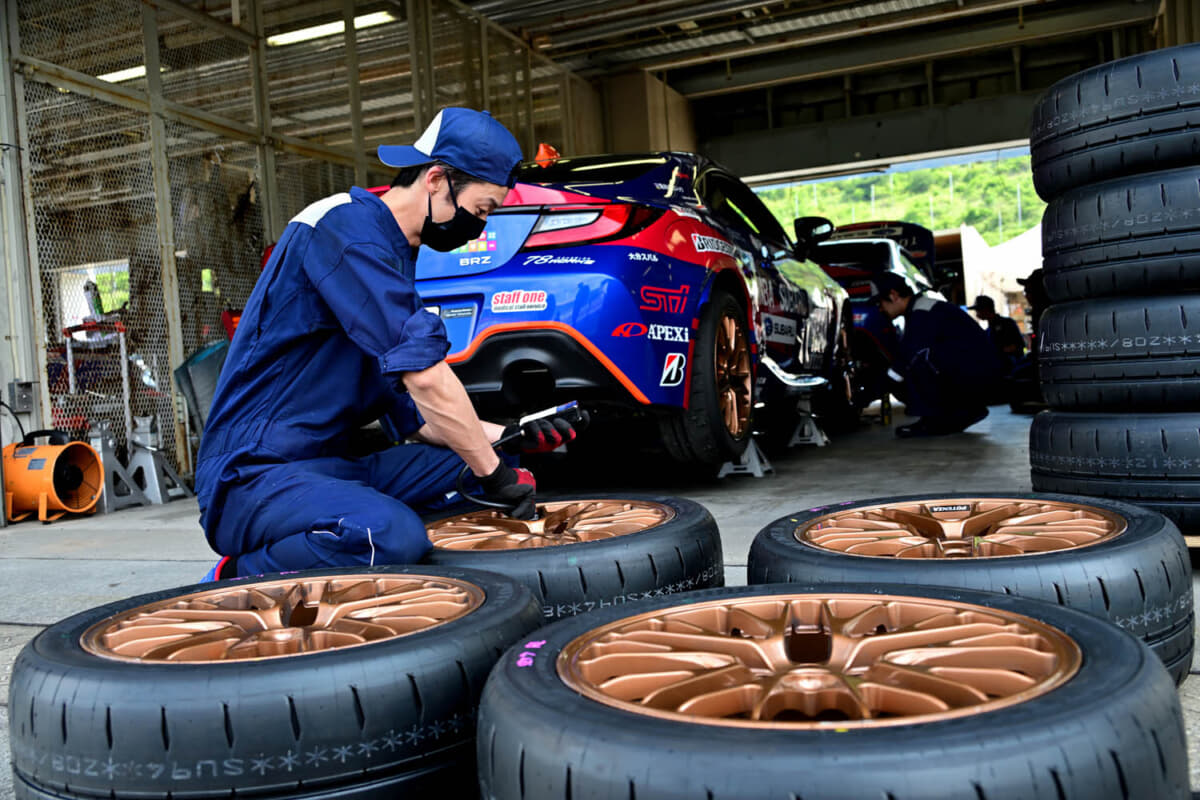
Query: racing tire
pixel 1114 728
pixel 1122 354
pixel 568 576
pixel 1152 460
pixel 392 717
pixel 1133 235
pixel 700 434
pixel 1138 579
pixel 1133 115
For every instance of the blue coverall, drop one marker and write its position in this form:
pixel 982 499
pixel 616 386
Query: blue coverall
pixel 331 327
pixel 951 371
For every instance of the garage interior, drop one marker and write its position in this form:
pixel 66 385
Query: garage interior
pixel 160 145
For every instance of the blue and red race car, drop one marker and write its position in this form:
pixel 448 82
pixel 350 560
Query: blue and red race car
pixel 653 284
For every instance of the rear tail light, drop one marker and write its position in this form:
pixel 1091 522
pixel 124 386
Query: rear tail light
pixel 567 226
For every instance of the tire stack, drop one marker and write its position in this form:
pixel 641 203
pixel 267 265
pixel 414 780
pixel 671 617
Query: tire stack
pixel 1116 154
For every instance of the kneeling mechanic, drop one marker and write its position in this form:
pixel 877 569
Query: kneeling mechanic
pixel 335 336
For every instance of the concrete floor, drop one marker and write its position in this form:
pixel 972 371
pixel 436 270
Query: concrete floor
pixel 48 572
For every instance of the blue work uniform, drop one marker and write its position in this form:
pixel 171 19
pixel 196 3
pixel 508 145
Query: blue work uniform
pixel 332 326
pixel 950 368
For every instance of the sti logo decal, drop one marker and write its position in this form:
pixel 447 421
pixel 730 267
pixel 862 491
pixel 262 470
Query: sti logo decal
pixel 655 298
pixel 672 374
pixel 947 509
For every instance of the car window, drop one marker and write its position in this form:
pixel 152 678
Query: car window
pixel 915 274
pixel 735 204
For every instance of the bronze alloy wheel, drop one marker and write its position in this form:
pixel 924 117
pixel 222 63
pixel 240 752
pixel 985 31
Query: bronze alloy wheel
pixel 557 523
pixel 281 618
pixel 819 661
pixel 961 528
pixel 732 362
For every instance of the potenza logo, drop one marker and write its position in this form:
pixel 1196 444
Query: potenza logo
pixel 518 300
pixel 672 374
pixel 711 244
pixel 659 333
pixel 656 298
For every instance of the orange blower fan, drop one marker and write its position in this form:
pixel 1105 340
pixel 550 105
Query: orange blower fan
pixel 54 479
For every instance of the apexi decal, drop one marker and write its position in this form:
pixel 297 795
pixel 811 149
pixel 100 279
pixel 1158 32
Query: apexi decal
pixel 474 261
pixel 946 509
pixel 711 244
pixel 518 300
pixel 558 260
pixel 656 298
pixel 672 374
pixel 779 329
pixel 659 333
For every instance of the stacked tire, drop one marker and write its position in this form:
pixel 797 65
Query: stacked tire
pixel 1116 154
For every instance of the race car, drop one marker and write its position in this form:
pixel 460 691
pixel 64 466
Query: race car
pixel 651 284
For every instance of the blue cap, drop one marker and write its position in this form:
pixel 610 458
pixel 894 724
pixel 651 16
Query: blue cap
pixel 468 140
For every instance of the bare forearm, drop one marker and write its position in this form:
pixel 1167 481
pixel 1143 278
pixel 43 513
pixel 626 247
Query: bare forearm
pixel 450 420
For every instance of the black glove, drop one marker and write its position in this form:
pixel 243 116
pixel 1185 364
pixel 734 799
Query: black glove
pixel 514 487
pixel 545 434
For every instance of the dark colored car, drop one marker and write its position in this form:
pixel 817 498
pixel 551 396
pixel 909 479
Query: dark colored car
pixel 653 284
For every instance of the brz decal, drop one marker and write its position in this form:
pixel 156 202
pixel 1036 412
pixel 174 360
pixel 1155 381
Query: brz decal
pixel 672 374
pixel 559 260
pixel 779 329
pixel 519 300
pixel 711 244
pixel 659 333
pixel 629 329
pixel 472 261
pixel 656 298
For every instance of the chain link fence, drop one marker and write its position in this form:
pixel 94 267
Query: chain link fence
pixel 152 197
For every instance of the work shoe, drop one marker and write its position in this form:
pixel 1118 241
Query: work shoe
pixel 223 569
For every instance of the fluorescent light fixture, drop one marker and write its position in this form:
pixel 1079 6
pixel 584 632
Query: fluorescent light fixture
pixel 330 29
pixel 124 74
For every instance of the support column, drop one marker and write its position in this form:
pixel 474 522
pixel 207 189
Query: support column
pixel 356 128
pixel 268 186
pixel 166 231
pixel 26 315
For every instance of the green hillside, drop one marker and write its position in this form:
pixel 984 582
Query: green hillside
pixel 983 194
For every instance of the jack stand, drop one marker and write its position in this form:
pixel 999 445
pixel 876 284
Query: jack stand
pixel 807 431
pixel 120 490
pixel 752 462
pixel 154 475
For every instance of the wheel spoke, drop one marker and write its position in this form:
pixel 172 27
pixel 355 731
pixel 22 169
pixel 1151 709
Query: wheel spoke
pixel 812 660
pixel 961 528
pixel 282 618
pixel 557 524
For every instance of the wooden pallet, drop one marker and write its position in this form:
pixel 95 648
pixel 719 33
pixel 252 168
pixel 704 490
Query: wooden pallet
pixel 1192 540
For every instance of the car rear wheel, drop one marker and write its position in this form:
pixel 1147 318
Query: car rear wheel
pixel 716 426
pixel 352 683
pixel 833 692
pixel 1121 563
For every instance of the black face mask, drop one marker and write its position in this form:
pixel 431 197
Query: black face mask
pixel 455 232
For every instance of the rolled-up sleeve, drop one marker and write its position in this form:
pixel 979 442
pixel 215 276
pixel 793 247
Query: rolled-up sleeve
pixel 379 308
pixel 423 343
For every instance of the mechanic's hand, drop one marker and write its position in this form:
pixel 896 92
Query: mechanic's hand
pixel 512 486
pixel 545 434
